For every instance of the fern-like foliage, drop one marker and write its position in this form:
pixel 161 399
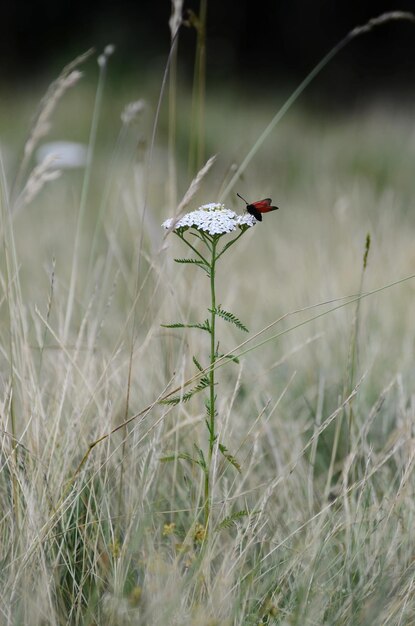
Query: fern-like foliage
pixel 229 457
pixel 204 326
pixel 201 460
pixel 196 362
pixel 229 317
pixel 209 411
pixel 231 357
pixel 202 384
pixel 231 520
pixel 204 265
pixel 191 261
pixel 180 455
pixel 185 456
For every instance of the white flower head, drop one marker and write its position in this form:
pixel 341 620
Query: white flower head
pixel 246 220
pixel 213 218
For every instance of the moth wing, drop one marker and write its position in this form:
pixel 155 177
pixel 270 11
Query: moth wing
pixel 252 210
pixel 262 205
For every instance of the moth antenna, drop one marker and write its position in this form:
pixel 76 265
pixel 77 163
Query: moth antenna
pixel 238 194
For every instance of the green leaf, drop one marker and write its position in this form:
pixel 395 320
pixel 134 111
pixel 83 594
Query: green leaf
pixel 204 382
pixel 229 317
pixel 192 261
pixel 204 326
pixel 180 455
pixel 212 435
pixel 202 460
pixel 231 520
pixel 184 456
pixel 196 362
pixel 229 457
pixel 231 357
pixel 209 409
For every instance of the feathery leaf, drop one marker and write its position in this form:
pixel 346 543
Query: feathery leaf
pixel 229 457
pixel 203 383
pixel 229 317
pixel 231 520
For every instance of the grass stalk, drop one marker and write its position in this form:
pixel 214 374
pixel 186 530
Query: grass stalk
pixel 355 32
pixel 11 270
pixel 175 22
pixel 353 351
pixel 354 346
pixel 102 63
pixel 197 137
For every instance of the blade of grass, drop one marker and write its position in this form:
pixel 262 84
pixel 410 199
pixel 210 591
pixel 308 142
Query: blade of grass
pixel 355 32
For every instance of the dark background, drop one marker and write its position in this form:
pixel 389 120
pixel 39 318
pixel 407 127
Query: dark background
pixel 258 43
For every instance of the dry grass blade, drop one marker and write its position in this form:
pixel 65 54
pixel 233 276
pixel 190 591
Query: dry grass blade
pixel 42 174
pixel 381 19
pixel 355 32
pixel 68 78
pixel 191 192
pixel 176 17
pixel 49 103
pixel 195 184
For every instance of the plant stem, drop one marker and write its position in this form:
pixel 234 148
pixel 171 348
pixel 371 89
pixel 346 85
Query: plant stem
pixel 212 412
pixel 212 352
pixel 196 149
pixel 194 250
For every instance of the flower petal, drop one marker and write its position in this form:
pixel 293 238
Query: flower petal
pixel 213 218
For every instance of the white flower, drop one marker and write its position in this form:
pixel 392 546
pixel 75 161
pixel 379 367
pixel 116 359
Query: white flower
pixel 213 218
pixel 246 220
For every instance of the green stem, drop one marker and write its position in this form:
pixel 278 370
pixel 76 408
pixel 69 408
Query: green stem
pixel 353 350
pixel 74 276
pixel 212 412
pixel 193 248
pixel 228 245
pixel 212 353
pixel 196 149
pixel 201 85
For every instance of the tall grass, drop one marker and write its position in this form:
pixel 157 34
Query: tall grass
pixel 317 528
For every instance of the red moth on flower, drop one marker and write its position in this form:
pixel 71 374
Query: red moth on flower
pixel 261 206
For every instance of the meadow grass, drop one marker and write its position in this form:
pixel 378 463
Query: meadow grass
pixel 317 528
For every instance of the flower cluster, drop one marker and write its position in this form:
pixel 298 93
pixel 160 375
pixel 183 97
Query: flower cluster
pixel 213 218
